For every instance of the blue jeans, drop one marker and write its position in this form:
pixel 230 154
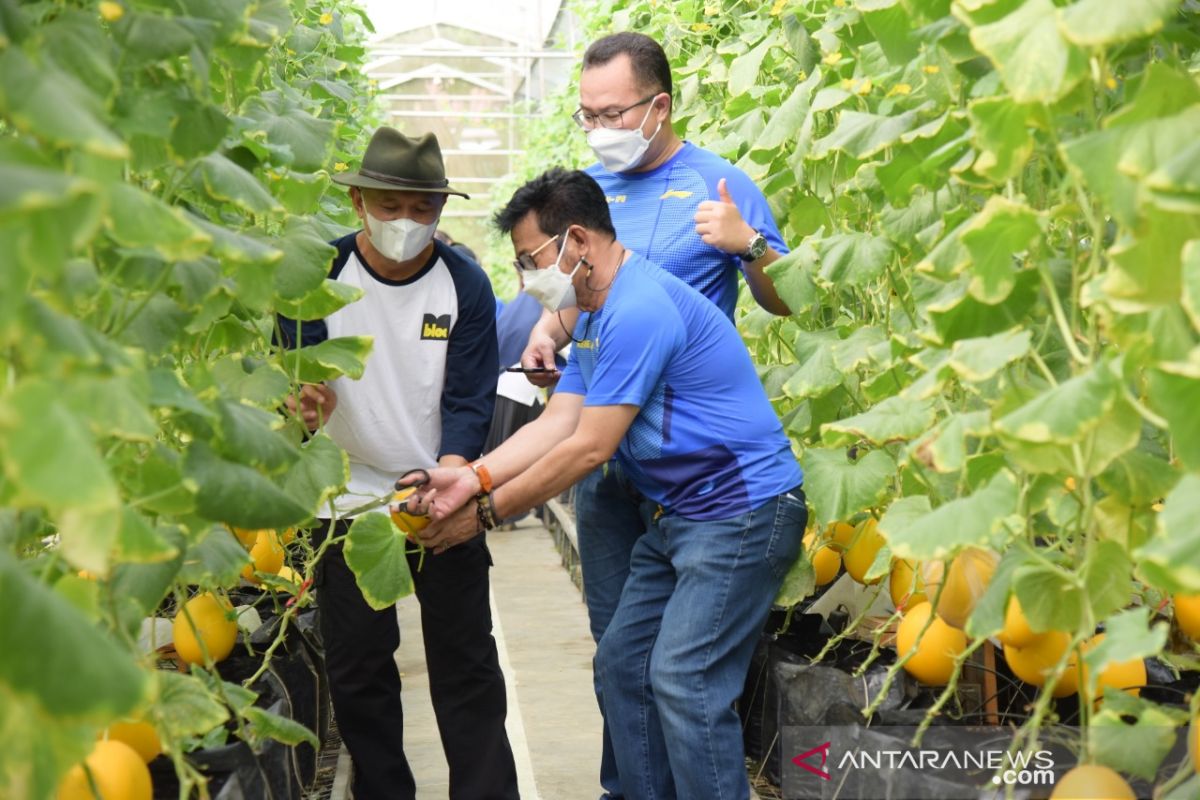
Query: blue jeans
pixel 610 516
pixel 673 660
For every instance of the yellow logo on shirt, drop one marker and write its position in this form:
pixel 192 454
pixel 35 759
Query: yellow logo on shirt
pixel 682 195
pixel 435 327
pixel 585 344
pixel 621 198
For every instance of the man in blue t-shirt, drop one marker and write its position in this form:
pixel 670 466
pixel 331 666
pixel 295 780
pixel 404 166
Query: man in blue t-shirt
pixel 660 378
pixel 683 208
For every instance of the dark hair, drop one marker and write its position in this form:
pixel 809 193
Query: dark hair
pixel 650 66
pixel 560 198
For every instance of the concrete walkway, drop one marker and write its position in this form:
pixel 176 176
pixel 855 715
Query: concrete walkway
pixel 541 629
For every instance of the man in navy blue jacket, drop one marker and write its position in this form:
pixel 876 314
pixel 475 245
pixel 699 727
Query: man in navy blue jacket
pixel 425 399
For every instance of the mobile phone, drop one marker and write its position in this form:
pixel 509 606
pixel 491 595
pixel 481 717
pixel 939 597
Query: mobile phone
pixel 528 370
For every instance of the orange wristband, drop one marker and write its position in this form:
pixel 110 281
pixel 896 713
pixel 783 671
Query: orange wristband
pixel 485 477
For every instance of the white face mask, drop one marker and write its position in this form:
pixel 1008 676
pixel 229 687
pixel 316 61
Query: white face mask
pixel 551 286
pixel 621 150
pixel 399 239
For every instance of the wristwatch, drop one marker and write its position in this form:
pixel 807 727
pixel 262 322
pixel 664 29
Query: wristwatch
pixel 756 249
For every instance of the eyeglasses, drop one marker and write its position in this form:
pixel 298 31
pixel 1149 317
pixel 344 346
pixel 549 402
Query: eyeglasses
pixel 525 260
pixel 607 119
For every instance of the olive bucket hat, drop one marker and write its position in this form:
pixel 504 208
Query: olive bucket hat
pixel 397 163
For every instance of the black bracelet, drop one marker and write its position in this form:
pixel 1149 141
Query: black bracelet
pixel 485 512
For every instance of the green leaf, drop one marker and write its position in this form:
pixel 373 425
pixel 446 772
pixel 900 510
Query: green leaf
pixel 268 725
pixel 798 583
pixel 114 406
pixel 1138 478
pixel 299 192
pixel 1050 598
pixel 896 419
pixel 168 391
pixel 333 296
pixel 139 543
pixel 1172 557
pixel 994 238
pixel 216 558
pixel 239 247
pixel 198 130
pixel 979 360
pixel 138 219
pixel 1147 271
pixel 48 215
pixel 1035 62
pixel 52 462
pixel 145 585
pixel 375 551
pixel 837 487
pixel 226 181
pixel 945 447
pixel 1133 735
pixel 955 314
pixel 252 436
pixel 332 358
pixel 237 494
pixel 861 135
pixel 988 617
pixel 44 101
pixel 788 118
pixel 1107 579
pixel 261 384
pixel 105 685
pixel 306 137
pixel 891 24
pixel 1175 393
pixel 186 707
pixel 743 72
pixel 1128 635
pixel 306 261
pixel 1191 281
pixel 147 37
pixel 321 472
pixel 1066 413
pixel 852 259
pixel 981 519
pixel 156 325
pixel 1097 23
pixel 1001 133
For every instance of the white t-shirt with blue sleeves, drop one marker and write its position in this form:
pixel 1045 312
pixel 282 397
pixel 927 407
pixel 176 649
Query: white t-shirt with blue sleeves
pixel 706 443
pixel 654 214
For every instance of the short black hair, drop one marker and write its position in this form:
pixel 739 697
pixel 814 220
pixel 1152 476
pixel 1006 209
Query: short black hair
pixel 650 66
pixel 560 198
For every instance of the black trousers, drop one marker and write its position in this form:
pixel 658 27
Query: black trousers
pixel 465 681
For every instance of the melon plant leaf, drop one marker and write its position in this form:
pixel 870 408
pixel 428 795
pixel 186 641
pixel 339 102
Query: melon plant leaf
pixel 798 583
pixel 323 469
pixel 1001 133
pixel 375 551
pixel 1172 556
pixel 978 360
pixel 852 259
pixel 327 298
pixel 1050 598
pixel 105 685
pixel 1128 635
pixel 330 359
pixel 1036 63
pixel 224 180
pixel 994 238
pixel 1133 735
pixel 836 487
pixel 895 419
pixel 42 100
pixel 979 520
pixel 1175 393
pixel 185 707
pixel 237 494
pixel 861 135
pixel 1106 578
pixel 1097 23
pixel 269 725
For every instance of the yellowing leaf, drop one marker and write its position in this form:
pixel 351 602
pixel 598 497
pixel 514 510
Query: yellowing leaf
pixel 701 27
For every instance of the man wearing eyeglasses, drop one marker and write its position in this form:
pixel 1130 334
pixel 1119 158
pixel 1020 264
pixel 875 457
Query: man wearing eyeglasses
pixel 683 208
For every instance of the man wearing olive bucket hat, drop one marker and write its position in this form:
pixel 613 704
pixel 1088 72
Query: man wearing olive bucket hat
pixel 425 399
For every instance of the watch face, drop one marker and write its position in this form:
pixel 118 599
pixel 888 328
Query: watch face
pixel 757 248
